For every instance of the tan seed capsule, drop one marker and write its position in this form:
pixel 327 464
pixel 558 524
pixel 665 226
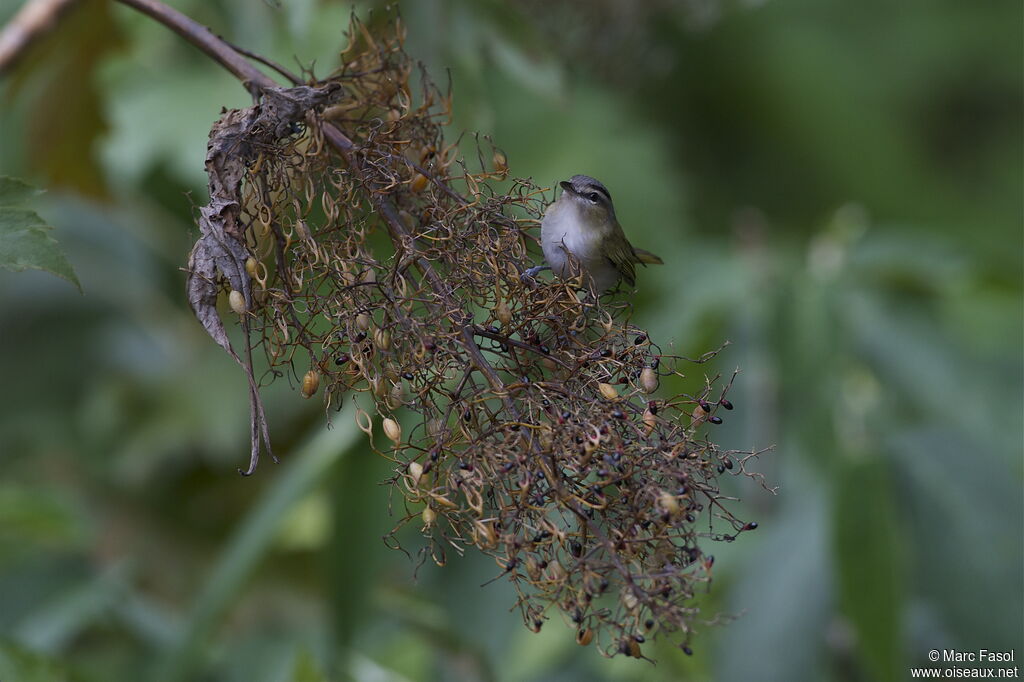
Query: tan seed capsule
pixel 237 301
pixel 500 161
pixel 668 502
pixel 397 394
pixel 415 472
pixel 545 437
pixel 629 599
pixel 502 313
pixel 584 636
pixel 429 515
pixel 434 426
pixel 407 218
pixel 302 230
pixel 382 339
pixel 650 421
pixel 392 429
pixel 310 383
pixel 608 391
pixel 698 416
pixel 368 275
pixel 418 183
pixel 649 380
pixel 363 321
pixel 250 266
pixel 486 538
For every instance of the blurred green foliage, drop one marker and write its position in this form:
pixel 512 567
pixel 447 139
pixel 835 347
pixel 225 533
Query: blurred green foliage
pixel 837 189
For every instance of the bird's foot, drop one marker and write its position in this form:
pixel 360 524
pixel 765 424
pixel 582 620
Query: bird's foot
pixel 530 273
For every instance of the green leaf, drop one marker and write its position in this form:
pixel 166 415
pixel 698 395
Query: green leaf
pixel 25 241
pixel 250 545
pixel 306 668
pixel 23 665
pixel 869 558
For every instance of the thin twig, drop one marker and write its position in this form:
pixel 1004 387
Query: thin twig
pixel 295 80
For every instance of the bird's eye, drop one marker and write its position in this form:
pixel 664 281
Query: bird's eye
pixel 594 196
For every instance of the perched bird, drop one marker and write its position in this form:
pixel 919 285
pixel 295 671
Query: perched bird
pixel 582 222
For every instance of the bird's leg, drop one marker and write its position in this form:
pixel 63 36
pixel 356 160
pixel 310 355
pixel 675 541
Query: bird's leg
pixel 532 272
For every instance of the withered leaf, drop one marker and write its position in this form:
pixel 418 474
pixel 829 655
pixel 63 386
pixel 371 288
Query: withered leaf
pixel 220 253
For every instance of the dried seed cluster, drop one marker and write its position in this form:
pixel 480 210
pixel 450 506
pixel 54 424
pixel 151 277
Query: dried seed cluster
pixel 522 420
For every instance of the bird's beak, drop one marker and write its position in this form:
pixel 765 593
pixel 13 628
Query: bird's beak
pixel 567 186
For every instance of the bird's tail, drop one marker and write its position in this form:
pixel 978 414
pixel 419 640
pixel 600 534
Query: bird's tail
pixel 647 258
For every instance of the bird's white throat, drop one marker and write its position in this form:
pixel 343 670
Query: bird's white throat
pixel 564 230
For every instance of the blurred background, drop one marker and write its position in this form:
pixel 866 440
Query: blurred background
pixel 837 190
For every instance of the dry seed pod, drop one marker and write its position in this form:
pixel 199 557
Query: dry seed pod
pixel 396 396
pixel 429 515
pixel 392 429
pixel 668 502
pixel 407 218
pixel 418 183
pixel 545 437
pixel 415 472
pixel 628 599
pixel 363 321
pixel 368 275
pixel 608 391
pixel 502 313
pixel 237 301
pixel 698 416
pixel 584 636
pixel 250 266
pixel 486 538
pixel 650 421
pixel 649 380
pixel 310 383
pixel 302 230
pixel 434 426
pixel 382 339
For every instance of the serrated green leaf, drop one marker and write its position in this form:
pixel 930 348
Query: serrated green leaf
pixel 25 240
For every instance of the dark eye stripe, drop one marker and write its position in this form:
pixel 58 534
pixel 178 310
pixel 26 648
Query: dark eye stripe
pixel 596 192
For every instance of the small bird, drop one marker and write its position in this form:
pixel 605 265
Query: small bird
pixel 582 222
